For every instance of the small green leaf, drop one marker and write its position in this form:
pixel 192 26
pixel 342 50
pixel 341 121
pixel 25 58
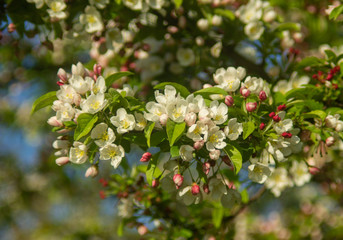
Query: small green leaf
pixel 111 79
pixel 85 123
pixel 225 13
pixel 217 216
pixel 147 132
pixel 120 229
pixel 151 168
pixel 181 89
pixel 178 3
pixel 310 62
pixel 207 92
pixel 331 56
pixel 248 128
pixel 279 98
pixel 289 26
pixel 316 113
pixel 174 151
pixel 157 138
pixel 336 12
pixel 174 131
pixel 235 157
pixel 44 101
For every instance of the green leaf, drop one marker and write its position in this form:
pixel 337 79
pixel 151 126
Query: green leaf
pixel 85 123
pixel 289 26
pixel 44 101
pixel 174 131
pixel 245 196
pixel 248 128
pixel 120 229
pixel 151 168
pixel 331 56
pixel 181 89
pixel 147 132
pixel 110 79
pixel 310 62
pixel 157 138
pixel 178 3
pixel 174 151
pixel 316 113
pixel 207 92
pixel 336 12
pixel 279 98
pixel 235 157
pixel 217 216
pixel 225 13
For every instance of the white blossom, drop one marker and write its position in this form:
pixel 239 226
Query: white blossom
pixel 123 121
pixel 229 79
pixel 103 134
pixel 278 181
pixel 79 84
pixel 233 129
pixel 94 103
pixel 78 153
pixel 99 86
pixel 218 112
pixel 101 4
pixel 215 139
pixel 65 112
pixel 112 152
pixel 253 84
pixel 254 30
pixel 186 152
pixel 196 131
pixel 56 8
pixel 259 172
pixel 67 94
pixel 185 56
pixel 92 19
pixel 140 121
pixel 300 173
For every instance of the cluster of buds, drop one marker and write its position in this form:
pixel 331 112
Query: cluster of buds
pixel 326 78
pixel 146 157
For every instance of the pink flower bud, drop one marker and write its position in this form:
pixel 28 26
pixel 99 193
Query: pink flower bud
pixel 62 161
pixel 142 230
pixel 206 188
pixel 155 183
pixel 272 114
pixel 251 106
pixel 172 29
pixel 59 83
pixel 124 68
pixel 330 141
pixel 92 171
pixel 54 122
pixel 178 180
pixel 276 118
pixel 313 170
pixel 163 119
pixel 190 118
pixel 262 126
pixel 281 107
pixel 286 135
pixel 97 69
pixel 207 85
pixel 206 167
pixel 214 155
pixel 229 100
pixel 62 75
pixel 245 92
pixel 11 27
pixel 198 145
pixel 146 157
pixel 195 189
pixel 262 96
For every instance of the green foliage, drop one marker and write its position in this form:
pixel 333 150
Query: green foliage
pixel 111 79
pixel 248 128
pixel 336 12
pixel 235 157
pixel 174 131
pixel 207 92
pixel 147 132
pixel 181 89
pixel 85 123
pixel 44 101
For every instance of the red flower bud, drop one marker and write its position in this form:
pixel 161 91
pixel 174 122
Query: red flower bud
pixel 195 189
pixel 102 194
pixel 251 106
pixel 178 180
pixel 272 114
pixel 276 118
pixel 334 86
pixel 229 100
pixel 314 76
pixel 337 69
pixel 146 157
pixel 281 107
pixel 206 188
pixel 199 144
pixel 155 183
pixel 262 96
pixel 262 126
pixel 329 77
pixel 286 135
pixel 103 182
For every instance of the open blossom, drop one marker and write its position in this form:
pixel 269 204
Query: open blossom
pixel 215 139
pixel 186 194
pixel 140 121
pixel 251 11
pixel 123 121
pixel 233 129
pixel 65 112
pixel 196 131
pixel 56 8
pixel 259 172
pixel 253 84
pixel 101 4
pixel 67 94
pixel 94 103
pixel 97 87
pixel 300 173
pixel 112 152
pixel 78 153
pixel 78 69
pixel 278 181
pixel 177 111
pixel 283 126
pixel 134 4
pixel 185 56
pixel 79 84
pixel 92 19
pixel 154 111
pixel 195 104
pixel 254 30
pixel 103 134
pixel 229 79
pixel 186 152
pixel 218 112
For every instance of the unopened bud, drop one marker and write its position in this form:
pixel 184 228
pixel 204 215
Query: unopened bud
pixel 163 119
pixel 62 75
pixel 286 135
pixel 281 107
pixel 262 126
pixel 92 171
pixel 142 230
pixel 330 141
pixel 229 100
pixel 62 161
pixel 251 106
pixel 244 92
pixel 206 188
pixel 272 114
pixel 198 145
pixel 172 29
pixel 155 183
pixel 206 167
pixel 215 154
pixel 190 118
pixel 262 96
pixel 195 189
pixel 97 69
pixel 313 170
pixel 206 85
pixel 276 118
pixel 178 180
pixel 54 122
pixel 146 157
pixel 11 27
